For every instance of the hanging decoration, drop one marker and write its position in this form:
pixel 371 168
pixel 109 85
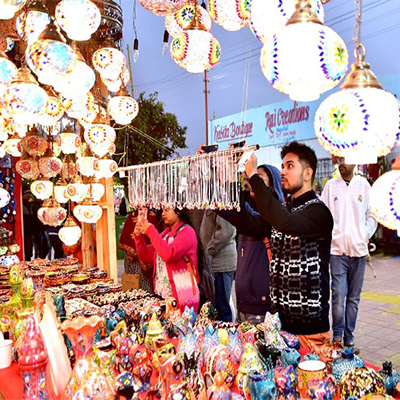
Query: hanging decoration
pixel 362 121
pixel 33 143
pixel 195 49
pixel 107 168
pixel 70 233
pixel 232 15
pixel 49 165
pixel 7 70
pixel 12 145
pixel 177 22
pixel 42 188
pixel 76 190
pixel 267 17
pixel 305 58
pixel 9 7
pixel 88 212
pixel 122 107
pixel 51 213
pixel 162 7
pixel 27 167
pixel 53 110
pixel 60 191
pixel 113 85
pixel 68 141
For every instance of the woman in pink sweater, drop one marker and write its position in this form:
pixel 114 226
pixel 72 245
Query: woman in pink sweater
pixel 173 276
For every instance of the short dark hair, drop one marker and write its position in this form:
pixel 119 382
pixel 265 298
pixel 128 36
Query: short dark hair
pixel 306 154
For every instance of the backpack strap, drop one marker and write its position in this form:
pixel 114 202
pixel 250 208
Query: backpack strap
pixel 268 248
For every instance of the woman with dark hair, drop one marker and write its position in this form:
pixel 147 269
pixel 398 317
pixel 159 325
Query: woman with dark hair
pixel 174 252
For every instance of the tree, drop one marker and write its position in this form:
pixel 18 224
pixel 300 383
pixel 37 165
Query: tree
pixel 138 140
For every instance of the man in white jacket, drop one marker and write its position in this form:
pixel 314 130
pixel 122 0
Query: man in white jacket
pixel 347 197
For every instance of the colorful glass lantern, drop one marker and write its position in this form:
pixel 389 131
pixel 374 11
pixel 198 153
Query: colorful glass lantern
pixel 177 22
pixel 31 23
pixel 90 114
pixel 195 49
pixel 78 18
pixel 76 190
pixel 60 190
pixel 266 17
pixel 230 14
pixel 87 165
pixel 52 112
pixel 49 165
pixel 108 61
pixel 4 197
pixel 42 188
pixel 107 168
pixel 385 198
pixel 8 8
pixel 162 7
pixel 305 58
pixel 100 132
pixel 122 107
pixel 95 191
pixel 50 57
pixel 24 99
pixel 28 168
pixel 111 149
pixel 360 122
pixel 77 107
pixel 33 143
pixel 88 212
pixel 7 70
pixel 12 145
pixel 51 213
pixel 113 85
pixel 68 141
pixel 68 168
pixel 70 233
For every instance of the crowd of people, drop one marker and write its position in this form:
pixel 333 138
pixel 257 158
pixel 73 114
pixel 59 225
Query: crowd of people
pixel 294 251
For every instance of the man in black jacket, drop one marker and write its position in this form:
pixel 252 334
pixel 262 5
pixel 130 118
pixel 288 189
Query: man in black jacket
pixel 300 244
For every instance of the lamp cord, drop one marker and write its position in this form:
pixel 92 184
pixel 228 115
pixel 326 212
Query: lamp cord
pixel 359 50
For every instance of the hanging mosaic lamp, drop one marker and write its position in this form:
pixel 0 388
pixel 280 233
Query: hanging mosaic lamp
pixel 51 213
pixel 53 110
pixel 32 22
pixel 42 188
pixel 4 197
pixel 7 71
pixel 90 114
pixel 162 7
pixel 107 168
pixel 24 99
pixel 68 140
pixel 34 143
pixel 195 49
pixel 78 18
pixel 77 107
pixel 68 170
pixel 385 198
pixel 27 167
pixel 8 8
pixel 76 190
pixel 178 21
pixel 95 190
pixel 49 165
pixel 70 233
pixel 108 61
pixel 50 57
pixel 87 211
pixel 122 107
pixel 305 58
pixel 362 121
pixel 12 145
pixel 267 17
pixel 80 79
pixel 99 132
pixel 113 85
pixel 87 165
pixel 232 15
pixel 60 189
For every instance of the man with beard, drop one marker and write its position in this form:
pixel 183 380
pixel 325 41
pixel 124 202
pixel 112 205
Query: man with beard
pixel 300 245
pixel 347 196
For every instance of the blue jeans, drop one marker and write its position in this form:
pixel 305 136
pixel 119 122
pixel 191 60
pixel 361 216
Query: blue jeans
pixel 347 275
pixel 223 288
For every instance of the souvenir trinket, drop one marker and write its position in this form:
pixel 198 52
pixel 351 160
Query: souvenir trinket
pixel 248 363
pixel 141 360
pixel 309 371
pixel 347 361
pixel 390 377
pixel 286 383
pixel 260 386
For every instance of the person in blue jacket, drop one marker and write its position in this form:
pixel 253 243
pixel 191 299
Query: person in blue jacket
pixel 252 271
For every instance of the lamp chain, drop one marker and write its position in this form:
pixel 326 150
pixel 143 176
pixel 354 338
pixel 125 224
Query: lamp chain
pixel 359 50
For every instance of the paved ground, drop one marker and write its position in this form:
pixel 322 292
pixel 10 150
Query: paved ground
pixel 378 327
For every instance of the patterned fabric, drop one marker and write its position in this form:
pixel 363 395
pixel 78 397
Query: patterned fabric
pixel 162 284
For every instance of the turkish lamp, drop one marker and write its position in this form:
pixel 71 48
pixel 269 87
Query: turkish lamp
pixel 361 121
pixel 12 145
pixel 384 198
pixel 53 110
pixel 51 213
pixel 68 170
pixel 50 58
pixel 7 71
pixel 100 132
pixel 78 18
pixel 95 190
pixel 70 233
pixel 60 189
pixel 8 8
pixel 34 143
pixel 49 165
pixel 108 61
pixel 42 188
pixel 14 247
pixel 177 22
pixel 162 7
pixel 122 107
pixel 24 99
pixel 76 190
pixel 87 211
pixel 267 17
pixel 113 85
pixel 195 49
pixel 27 167
pixel 107 168
pixel 32 22
pixel 68 141
pixel 305 58
pixel 232 15
pixel 77 107
pixel 87 165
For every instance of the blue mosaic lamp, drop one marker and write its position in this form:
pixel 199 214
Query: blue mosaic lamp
pixel 7 70
pixel 305 58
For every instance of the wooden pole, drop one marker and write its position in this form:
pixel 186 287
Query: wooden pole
pixel 206 103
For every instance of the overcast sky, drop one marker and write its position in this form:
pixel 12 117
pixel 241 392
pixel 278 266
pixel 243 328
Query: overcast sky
pixel 183 93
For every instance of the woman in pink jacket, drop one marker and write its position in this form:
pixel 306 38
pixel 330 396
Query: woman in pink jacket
pixel 174 252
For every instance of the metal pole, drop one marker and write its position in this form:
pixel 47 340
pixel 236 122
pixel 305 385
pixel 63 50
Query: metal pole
pixel 206 103
pixel 128 52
